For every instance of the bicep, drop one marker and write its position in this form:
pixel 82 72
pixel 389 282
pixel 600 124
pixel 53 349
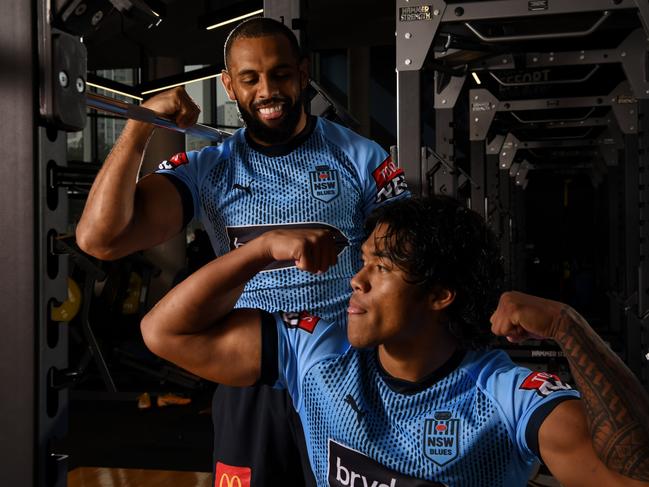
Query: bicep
pixel 566 449
pixel 158 211
pixel 228 353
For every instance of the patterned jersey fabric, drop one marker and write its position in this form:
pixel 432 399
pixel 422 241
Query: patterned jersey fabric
pixel 473 426
pixel 332 178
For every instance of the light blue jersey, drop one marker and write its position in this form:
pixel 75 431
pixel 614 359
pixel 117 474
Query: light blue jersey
pixel 473 424
pixel 330 177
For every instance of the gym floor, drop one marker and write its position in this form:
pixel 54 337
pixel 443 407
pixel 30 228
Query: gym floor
pixel 112 442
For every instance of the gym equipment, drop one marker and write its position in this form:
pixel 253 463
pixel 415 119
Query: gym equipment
pixel 70 307
pixel 136 112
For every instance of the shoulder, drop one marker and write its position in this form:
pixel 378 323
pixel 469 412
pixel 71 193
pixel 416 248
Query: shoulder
pixel 348 140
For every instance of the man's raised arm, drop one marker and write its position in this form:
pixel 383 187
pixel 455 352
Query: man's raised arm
pixel 121 214
pixel 602 440
pixel 195 325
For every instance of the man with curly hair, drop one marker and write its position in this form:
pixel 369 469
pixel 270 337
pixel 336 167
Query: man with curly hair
pixel 407 396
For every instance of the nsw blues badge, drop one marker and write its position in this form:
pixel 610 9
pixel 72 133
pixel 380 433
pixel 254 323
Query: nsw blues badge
pixel 324 183
pixel 442 438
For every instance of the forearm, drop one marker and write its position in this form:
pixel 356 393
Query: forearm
pixel 616 404
pixel 110 206
pixel 207 296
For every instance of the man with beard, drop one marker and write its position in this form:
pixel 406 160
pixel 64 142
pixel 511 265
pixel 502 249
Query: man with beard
pixel 285 169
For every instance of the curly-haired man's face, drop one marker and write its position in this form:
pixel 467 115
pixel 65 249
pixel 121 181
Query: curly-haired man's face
pixel 384 308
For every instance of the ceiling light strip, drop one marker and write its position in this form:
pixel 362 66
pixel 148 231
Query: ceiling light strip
pixel 155 90
pixel 240 17
pixel 112 90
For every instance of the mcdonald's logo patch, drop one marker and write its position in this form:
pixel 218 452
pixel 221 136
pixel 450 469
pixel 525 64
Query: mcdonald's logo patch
pixel 230 476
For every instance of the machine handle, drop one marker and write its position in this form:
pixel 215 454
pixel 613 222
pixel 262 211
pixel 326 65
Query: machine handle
pixel 531 37
pixel 136 112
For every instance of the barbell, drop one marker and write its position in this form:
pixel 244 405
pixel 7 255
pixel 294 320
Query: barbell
pixel 142 114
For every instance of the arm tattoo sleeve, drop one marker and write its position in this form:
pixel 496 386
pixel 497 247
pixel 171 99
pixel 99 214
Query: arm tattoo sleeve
pixel 617 406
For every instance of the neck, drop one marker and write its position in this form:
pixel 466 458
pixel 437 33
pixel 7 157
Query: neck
pixel 418 358
pixel 301 125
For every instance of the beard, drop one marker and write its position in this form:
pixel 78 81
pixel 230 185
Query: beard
pixel 272 135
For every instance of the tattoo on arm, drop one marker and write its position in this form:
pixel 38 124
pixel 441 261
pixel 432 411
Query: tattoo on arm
pixel 617 406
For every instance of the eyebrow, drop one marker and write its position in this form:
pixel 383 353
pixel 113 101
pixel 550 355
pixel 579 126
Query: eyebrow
pixel 249 71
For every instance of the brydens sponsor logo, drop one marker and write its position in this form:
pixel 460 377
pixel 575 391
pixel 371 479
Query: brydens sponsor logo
pixel 350 468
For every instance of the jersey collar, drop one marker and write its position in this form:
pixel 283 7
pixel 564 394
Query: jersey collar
pixel 287 147
pixel 406 387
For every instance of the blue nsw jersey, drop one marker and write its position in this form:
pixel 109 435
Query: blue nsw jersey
pixel 476 424
pixel 328 177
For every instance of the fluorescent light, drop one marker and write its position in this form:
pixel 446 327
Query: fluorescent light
pixel 240 17
pixel 181 83
pixel 475 77
pixel 99 87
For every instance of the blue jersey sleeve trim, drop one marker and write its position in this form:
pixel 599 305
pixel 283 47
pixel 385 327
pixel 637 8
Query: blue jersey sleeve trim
pixel 185 196
pixel 536 420
pixel 269 350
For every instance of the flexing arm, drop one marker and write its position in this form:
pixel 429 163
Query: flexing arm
pixel 603 439
pixel 195 326
pixel 121 214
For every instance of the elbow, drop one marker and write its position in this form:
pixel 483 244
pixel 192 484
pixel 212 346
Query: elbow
pixel 94 245
pixel 151 336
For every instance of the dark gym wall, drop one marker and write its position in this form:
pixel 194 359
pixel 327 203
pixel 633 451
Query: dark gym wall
pixel 17 244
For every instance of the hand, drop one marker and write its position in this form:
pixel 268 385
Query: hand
pixel 312 250
pixel 175 104
pixel 521 316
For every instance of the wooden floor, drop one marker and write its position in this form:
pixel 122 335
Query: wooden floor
pixel 131 477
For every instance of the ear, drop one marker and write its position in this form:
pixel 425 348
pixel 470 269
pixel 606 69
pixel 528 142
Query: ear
pixel 226 80
pixel 441 298
pixel 304 72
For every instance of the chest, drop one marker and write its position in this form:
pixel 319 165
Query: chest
pixel 315 182
pixel 442 434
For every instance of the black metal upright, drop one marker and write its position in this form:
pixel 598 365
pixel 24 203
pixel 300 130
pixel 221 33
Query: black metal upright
pixel 17 240
pixel 42 95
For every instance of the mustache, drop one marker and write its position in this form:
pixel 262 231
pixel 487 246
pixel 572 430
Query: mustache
pixel 270 101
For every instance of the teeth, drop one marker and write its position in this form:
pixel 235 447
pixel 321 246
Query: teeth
pixel 269 110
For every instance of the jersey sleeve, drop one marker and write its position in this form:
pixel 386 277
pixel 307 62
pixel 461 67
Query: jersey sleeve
pixel 188 170
pixel 302 341
pixel 381 180
pixel 525 399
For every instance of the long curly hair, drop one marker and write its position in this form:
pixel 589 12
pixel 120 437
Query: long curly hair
pixel 438 242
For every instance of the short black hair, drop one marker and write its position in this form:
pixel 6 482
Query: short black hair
pixel 260 27
pixel 438 242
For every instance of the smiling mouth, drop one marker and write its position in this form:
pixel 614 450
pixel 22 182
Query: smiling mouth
pixel 271 112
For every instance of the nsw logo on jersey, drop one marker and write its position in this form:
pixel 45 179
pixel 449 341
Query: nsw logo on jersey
pixel 303 321
pixel 324 183
pixel 544 383
pixel 390 180
pixel 442 438
pixel 350 468
pixel 174 161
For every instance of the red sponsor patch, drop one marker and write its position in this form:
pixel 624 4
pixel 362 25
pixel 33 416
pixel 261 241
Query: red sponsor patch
pixel 179 159
pixel 544 383
pixel 307 322
pixel 230 476
pixel 303 321
pixel 386 172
